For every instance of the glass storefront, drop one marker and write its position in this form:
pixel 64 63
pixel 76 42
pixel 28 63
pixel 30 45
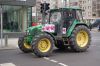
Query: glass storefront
pixel 16 18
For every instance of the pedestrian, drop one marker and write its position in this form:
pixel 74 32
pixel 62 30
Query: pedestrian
pixel 99 28
pixel 11 25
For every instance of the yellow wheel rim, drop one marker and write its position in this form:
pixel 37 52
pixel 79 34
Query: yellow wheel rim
pixel 26 45
pixel 82 38
pixel 44 45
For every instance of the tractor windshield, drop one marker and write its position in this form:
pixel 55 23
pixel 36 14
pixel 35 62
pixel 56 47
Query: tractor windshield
pixel 79 16
pixel 55 17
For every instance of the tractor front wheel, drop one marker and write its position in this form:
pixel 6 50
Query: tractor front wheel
pixel 80 39
pixel 23 45
pixel 42 45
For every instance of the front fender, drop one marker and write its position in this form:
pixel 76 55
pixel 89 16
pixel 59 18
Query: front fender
pixel 32 31
pixel 51 35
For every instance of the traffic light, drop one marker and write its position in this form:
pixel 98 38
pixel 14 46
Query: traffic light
pixel 44 7
pixel 47 6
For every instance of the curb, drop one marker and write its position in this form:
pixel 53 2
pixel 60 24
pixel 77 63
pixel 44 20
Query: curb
pixel 8 48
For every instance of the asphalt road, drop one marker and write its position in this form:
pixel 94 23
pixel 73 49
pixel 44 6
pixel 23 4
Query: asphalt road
pixel 14 57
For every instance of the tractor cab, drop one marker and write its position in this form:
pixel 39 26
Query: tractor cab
pixel 61 20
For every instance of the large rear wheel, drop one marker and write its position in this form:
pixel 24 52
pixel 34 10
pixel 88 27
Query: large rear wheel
pixel 42 45
pixel 80 39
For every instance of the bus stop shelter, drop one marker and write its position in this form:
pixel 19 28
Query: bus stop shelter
pixel 27 3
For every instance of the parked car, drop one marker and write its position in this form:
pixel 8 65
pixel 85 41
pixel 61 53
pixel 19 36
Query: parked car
pixel 96 23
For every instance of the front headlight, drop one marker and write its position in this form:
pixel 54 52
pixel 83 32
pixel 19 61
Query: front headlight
pixel 27 32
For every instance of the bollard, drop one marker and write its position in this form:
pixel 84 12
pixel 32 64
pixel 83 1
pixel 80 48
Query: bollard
pixel 6 40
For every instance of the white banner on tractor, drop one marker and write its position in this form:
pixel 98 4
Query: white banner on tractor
pixel 49 28
pixel 64 30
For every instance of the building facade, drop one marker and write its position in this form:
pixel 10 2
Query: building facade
pixel 96 8
pixel 87 7
pixel 91 9
pixel 53 4
pixel 16 14
pixel 36 14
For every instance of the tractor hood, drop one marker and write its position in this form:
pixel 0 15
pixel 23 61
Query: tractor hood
pixel 34 29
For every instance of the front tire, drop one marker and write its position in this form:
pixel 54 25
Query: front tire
pixel 23 45
pixel 80 39
pixel 42 45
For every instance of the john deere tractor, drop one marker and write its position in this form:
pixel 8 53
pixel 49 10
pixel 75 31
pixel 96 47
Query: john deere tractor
pixel 63 28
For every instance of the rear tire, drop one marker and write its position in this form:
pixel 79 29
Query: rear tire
pixel 42 45
pixel 80 39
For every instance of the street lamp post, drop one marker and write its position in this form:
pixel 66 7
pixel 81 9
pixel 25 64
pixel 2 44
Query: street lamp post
pixel 1 26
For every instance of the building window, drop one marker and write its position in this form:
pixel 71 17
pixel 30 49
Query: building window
pixel 85 7
pixel 89 14
pixel 98 6
pixel 16 18
pixel 83 14
pixel 83 2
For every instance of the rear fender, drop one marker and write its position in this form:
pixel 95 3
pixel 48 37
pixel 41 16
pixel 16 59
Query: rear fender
pixel 75 24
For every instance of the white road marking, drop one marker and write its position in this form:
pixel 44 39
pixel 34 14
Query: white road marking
pixel 62 64
pixel 7 64
pixel 46 58
pixel 54 61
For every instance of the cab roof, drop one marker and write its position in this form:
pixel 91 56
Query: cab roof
pixel 64 9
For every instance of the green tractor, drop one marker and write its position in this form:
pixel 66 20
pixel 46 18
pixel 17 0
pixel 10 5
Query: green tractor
pixel 64 29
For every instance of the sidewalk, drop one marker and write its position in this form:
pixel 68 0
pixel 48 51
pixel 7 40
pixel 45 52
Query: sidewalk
pixel 12 43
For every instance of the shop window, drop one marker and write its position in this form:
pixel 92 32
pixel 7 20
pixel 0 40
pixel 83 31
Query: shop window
pixel 16 18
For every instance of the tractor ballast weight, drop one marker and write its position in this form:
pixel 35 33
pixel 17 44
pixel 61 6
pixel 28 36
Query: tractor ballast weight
pixel 64 28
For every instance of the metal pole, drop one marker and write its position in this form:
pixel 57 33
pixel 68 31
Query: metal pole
pixel 69 3
pixel 6 40
pixel 1 26
pixel 36 15
pixel 65 3
pixel 43 18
